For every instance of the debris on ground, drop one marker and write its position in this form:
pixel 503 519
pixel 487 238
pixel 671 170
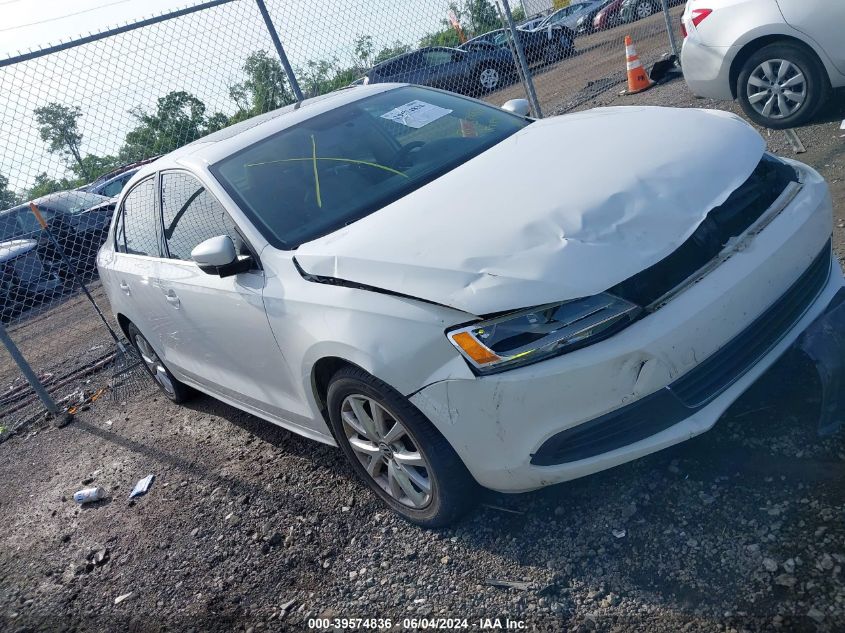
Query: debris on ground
pixel 521 585
pixel 142 486
pixel 89 495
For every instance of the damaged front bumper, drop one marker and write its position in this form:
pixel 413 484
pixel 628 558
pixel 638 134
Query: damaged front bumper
pixel 666 378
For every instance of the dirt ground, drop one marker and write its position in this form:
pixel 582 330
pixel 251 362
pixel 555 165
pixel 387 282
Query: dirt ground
pixel 250 528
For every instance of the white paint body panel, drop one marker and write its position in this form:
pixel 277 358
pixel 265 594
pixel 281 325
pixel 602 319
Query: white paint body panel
pixel 482 249
pixel 496 422
pixel 253 340
pixel 710 49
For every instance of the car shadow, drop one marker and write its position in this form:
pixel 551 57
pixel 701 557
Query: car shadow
pixel 832 111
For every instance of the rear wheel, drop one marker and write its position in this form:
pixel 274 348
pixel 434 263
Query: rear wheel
pixel 396 451
pixel 172 388
pixel 781 86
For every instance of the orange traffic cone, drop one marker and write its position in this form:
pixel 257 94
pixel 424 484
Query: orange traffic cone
pixel 638 79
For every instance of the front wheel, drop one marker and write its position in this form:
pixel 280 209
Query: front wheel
pixel 396 451
pixel 645 9
pixel 489 78
pixel 781 86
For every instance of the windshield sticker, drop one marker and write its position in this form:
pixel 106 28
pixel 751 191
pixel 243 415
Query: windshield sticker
pixel 416 114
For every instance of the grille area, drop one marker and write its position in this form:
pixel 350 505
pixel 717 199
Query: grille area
pixel 690 393
pixel 730 219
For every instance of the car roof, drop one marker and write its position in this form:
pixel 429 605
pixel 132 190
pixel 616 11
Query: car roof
pixel 218 145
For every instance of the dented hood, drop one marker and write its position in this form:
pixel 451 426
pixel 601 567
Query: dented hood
pixel 565 208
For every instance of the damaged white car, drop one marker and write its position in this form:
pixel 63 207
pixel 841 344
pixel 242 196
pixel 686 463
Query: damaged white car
pixel 366 269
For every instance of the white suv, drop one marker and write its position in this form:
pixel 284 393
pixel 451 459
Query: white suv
pixel 779 58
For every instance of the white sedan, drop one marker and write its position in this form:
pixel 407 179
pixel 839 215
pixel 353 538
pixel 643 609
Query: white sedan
pixel 779 58
pixel 365 269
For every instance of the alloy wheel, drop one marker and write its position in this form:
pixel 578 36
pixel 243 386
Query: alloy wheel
pixel 776 88
pixel 644 9
pixel 386 450
pixel 154 364
pixel 489 78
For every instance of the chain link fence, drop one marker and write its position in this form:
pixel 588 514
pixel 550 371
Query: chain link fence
pixel 78 119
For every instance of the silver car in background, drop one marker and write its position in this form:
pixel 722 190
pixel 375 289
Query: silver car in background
pixel 779 58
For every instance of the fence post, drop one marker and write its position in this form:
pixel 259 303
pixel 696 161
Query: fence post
pixel 672 41
pixel 528 82
pixel 294 84
pixel 26 370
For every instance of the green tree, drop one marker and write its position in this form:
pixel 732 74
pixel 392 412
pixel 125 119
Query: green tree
pixel 481 16
pixel 8 198
pixel 397 48
pixel 446 37
pixel 264 89
pixel 324 75
pixel 92 167
pixel 58 126
pixel 364 49
pixel 44 184
pixel 179 118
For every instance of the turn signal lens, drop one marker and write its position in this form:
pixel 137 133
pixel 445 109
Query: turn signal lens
pixel 474 349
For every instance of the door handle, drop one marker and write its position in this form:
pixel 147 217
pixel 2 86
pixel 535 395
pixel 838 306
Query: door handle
pixel 172 298
pixel 125 287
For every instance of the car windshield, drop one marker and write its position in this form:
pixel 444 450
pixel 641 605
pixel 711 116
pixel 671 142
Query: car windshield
pixel 335 168
pixel 71 201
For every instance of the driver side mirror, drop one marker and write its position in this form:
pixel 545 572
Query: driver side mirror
pixel 217 256
pixel 520 107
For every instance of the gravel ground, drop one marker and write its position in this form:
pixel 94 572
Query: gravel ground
pixel 250 528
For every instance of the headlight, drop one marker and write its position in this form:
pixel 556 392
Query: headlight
pixel 531 335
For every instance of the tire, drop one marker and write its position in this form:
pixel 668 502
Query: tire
pixel 562 46
pixel 488 78
pixel 176 391
pixel 644 9
pixel 789 101
pixel 429 485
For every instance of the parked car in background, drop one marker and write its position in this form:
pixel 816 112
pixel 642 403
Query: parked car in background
pixel 471 72
pixel 541 45
pixel 609 16
pixel 112 183
pixel 25 278
pixel 345 269
pixel 78 219
pixel 779 58
pixel 532 23
pixel 632 10
pixel 585 20
pixel 568 16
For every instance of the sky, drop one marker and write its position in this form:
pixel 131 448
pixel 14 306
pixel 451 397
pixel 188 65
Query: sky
pixel 201 53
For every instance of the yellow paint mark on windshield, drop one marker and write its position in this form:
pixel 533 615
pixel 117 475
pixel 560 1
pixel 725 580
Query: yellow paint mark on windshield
pixel 342 160
pixel 316 176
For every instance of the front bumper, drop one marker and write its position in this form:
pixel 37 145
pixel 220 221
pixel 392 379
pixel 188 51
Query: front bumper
pixel 497 423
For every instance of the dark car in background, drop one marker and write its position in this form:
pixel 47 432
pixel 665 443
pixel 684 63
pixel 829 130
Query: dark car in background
pixel 79 220
pixel 546 45
pixel 25 278
pixel 471 72
pixel 113 182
